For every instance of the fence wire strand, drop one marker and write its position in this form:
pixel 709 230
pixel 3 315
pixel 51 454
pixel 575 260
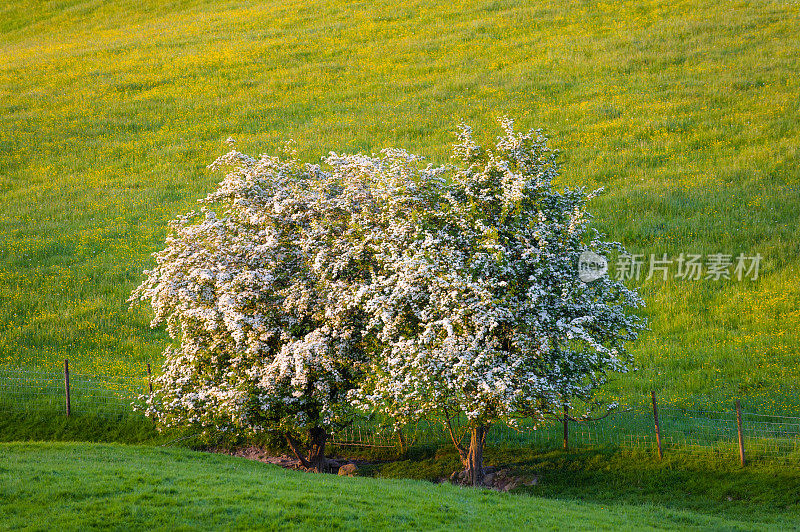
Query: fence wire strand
pixel 766 436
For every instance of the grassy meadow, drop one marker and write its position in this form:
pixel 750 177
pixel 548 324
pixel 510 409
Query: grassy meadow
pixel 90 486
pixel 687 112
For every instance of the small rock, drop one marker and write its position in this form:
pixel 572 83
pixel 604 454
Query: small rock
pixel 348 470
pixel 510 486
pixel 532 482
pixel 488 479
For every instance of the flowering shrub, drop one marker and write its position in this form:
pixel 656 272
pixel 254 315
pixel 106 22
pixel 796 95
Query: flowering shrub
pixel 300 292
pixel 249 287
pixel 477 305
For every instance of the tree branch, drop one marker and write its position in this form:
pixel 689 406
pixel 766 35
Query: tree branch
pixel 295 445
pixel 460 448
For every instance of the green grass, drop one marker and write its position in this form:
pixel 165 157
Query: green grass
pixel 687 112
pixel 85 486
pixel 699 482
pixel 131 429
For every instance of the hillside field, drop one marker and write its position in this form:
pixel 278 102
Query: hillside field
pixel 91 486
pixel 687 112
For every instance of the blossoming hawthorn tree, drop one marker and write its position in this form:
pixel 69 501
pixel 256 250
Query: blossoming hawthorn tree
pixel 255 290
pixel 381 283
pixel 476 301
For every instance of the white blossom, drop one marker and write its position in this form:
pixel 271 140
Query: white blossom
pixel 297 292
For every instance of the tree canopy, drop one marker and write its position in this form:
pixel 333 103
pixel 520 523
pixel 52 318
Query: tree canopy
pixel 300 292
pixel 479 309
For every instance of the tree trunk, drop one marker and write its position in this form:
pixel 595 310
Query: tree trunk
pixel 314 457
pixel 473 462
pixel 316 450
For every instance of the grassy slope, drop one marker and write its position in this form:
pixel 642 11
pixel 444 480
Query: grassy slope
pixel 87 428
pixel 702 482
pixel 71 486
pixel 686 111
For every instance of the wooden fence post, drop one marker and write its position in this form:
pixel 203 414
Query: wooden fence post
pixel 149 379
pixel 739 430
pixel 66 385
pixel 658 428
pixel 566 428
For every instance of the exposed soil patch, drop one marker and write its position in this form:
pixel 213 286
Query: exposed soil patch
pixel 499 479
pixel 336 465
pixel 495 478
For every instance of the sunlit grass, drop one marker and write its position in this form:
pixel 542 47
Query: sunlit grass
pixel 687 112
pixel 86 486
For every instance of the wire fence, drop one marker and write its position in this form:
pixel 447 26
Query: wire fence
pixel 717 431
pixel 764 437
pixel 32 391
